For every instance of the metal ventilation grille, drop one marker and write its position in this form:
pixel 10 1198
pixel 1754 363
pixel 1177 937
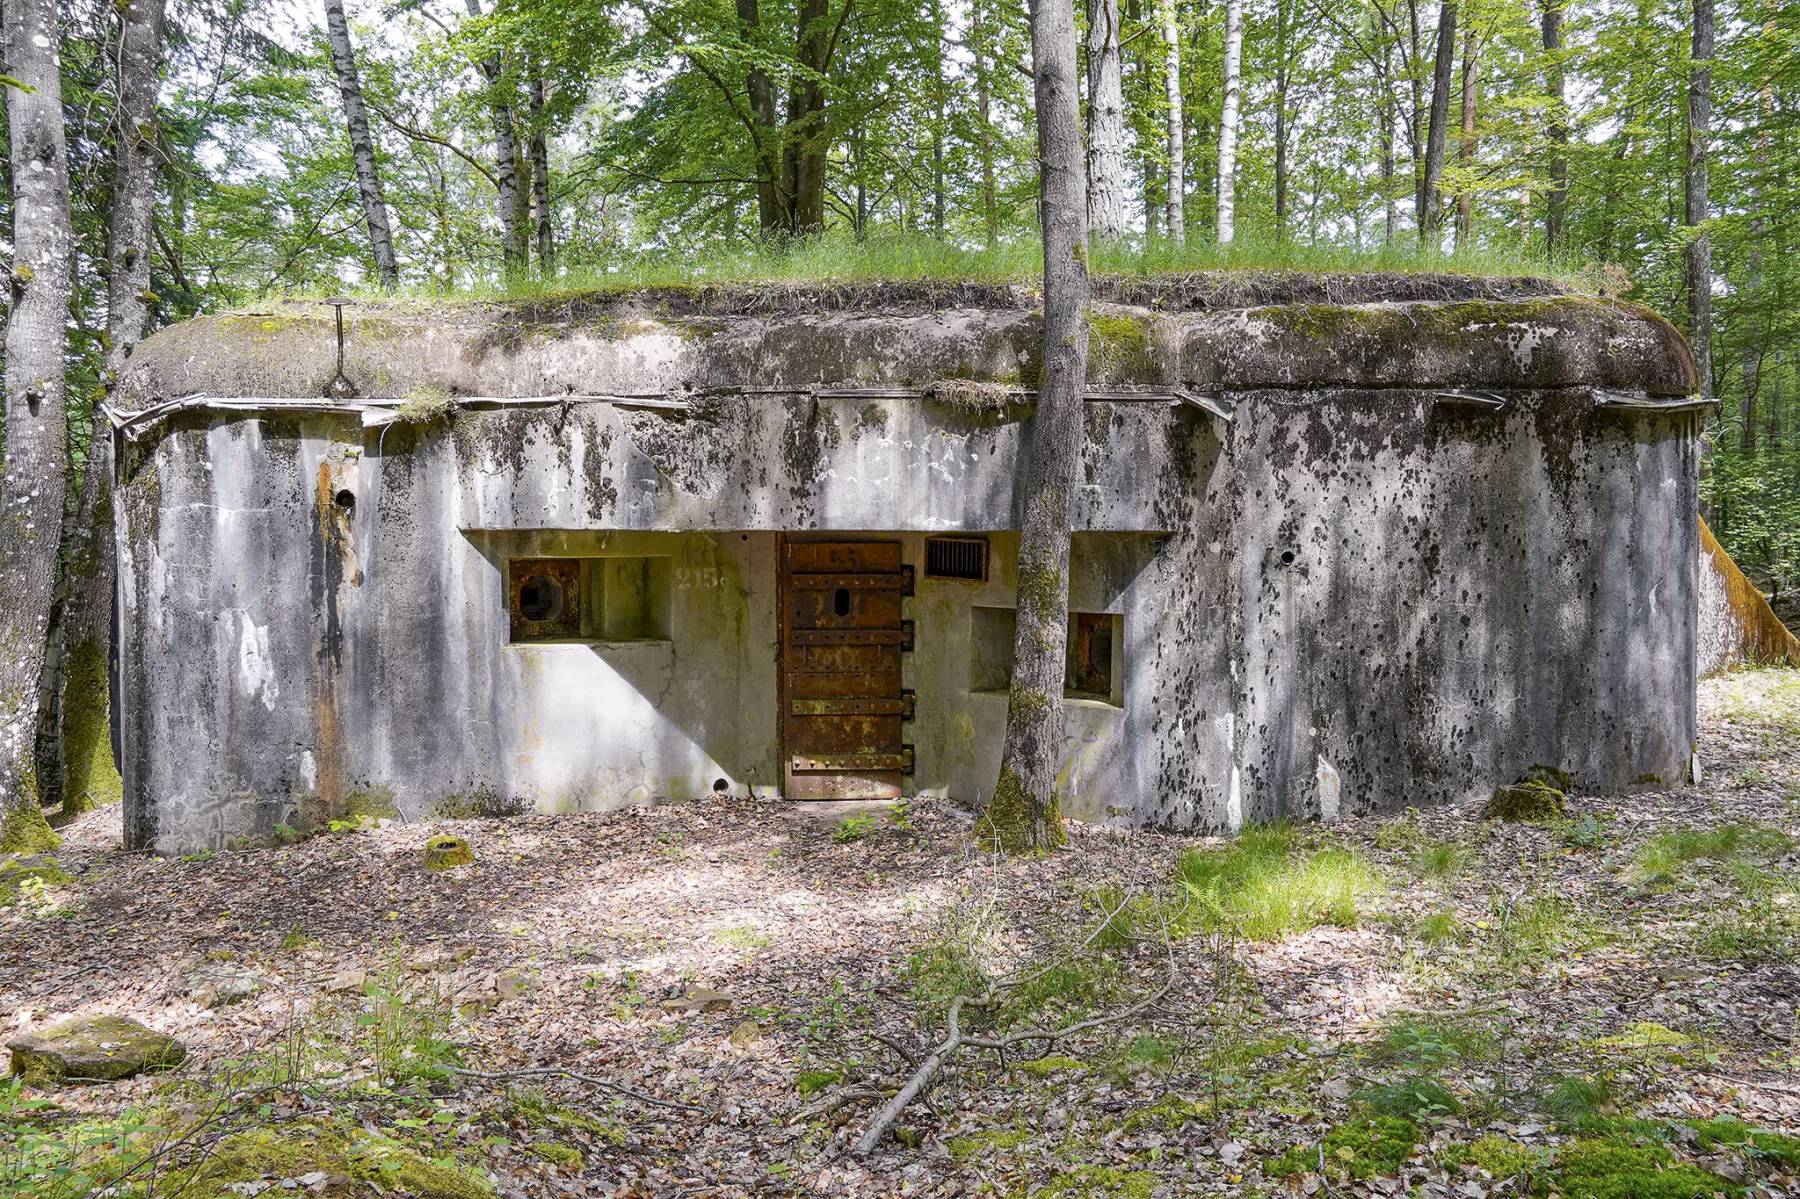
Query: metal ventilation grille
pixel 956 558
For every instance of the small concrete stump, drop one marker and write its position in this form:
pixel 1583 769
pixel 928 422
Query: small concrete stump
pixel 1529 800
pixel 697 999
pixel 94 1049
pixel 223 985
pixel 443 852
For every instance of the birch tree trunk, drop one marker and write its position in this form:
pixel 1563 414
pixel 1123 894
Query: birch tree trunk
pixel 1465 152
pixel 514 243
pixel 1556 200
pixel 89 774
pixel 1106 123
pixel 1025 812
pixel 34 473
pixel 1699 253
pixel 362 145
pixel 1228 120
pixel 1177 181
pixel 1437 132
pixel 540 181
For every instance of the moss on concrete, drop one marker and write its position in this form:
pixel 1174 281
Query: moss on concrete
pixel 1530 799
pixel 443 852
pixel 1118 345
pixel 375 803
pixel 90 777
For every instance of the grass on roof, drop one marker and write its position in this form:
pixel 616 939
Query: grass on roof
pixel 839 259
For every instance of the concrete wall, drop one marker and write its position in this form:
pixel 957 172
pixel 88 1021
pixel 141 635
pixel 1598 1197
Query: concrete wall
pixel 1352 598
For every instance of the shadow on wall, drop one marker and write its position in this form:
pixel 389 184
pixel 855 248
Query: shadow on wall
pixel 1737 626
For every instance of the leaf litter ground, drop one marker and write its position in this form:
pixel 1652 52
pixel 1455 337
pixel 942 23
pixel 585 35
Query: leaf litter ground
pixel 1483 1008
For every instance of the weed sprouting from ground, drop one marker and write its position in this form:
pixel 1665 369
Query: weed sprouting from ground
pixel 1659 860
pixel 1439 861
pixel 1266 885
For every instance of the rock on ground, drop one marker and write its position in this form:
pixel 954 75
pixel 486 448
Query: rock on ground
pixel 94 1049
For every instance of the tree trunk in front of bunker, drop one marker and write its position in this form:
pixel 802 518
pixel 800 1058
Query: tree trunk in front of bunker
pixel 362 146
pixel 33 478
pixel 1024 813
pixel 88 774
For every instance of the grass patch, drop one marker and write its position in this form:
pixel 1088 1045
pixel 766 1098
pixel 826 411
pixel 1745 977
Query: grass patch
pixel 1439 860
pixel 742 937
pixel 1428 1043
pixel 1266 885
pixel 832 259
pixel 1584 1104
pixel 811 1082
pixel 1661 857
pixel 1438 928
pixel 1767 698
pixel 1412 1098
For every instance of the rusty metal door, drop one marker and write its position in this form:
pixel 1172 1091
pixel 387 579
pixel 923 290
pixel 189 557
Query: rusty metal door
pixel 842 638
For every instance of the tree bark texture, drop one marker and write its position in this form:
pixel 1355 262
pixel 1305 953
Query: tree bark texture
pixel 1106 123
pixel 34 474
pixel 1024 812
pixel 1176 187
pixel 1465 151
pixel 540 181
pixel 89 774
pixel 1557 132
pixel 807 139
pixel 771 204
pixel 362 145
pixel 1699 253
pixel 1228 119
pixel 514 239
pixel 1439 128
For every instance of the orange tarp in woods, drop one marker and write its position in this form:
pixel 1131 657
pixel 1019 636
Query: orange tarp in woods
pixel 1759 633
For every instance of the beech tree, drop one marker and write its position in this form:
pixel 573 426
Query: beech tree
pixel 89 773
pixel 1430 191
pixel 1698 257
pixel 34 472
pixel 1024 812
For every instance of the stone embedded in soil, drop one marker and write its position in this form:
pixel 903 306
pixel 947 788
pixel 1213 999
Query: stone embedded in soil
pixel 94 1049
pixel 443 852
pixel 698 999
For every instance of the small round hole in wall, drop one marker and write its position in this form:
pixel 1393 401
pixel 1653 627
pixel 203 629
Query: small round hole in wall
pixel 540 598
pixel 346 499
pixel 721 786
pixel 1287 557
pixel 840 603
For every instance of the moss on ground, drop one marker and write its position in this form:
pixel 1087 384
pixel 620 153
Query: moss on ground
pixel 1358 1150
pixel 1529 800
pixel 90 776
pixel 16 872
pixel 1103 1180
pixel 335 1148
pixel 1603 1169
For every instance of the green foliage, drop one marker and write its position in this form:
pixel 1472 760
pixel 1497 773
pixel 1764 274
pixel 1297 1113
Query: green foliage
pixel 1583 1104
pixel 1266 885
pixel 811 1082
pixel 1771 1146
pixel 1432 1043
pixel 1413 1098
pixel 852 828
pixel 1439 861
pixel 1436 928
pixel 402 1025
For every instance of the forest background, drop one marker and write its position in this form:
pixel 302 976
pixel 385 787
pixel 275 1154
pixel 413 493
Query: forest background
pixel 535 146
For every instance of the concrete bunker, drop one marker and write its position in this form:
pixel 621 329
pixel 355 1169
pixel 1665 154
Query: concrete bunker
pixel 1341 545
